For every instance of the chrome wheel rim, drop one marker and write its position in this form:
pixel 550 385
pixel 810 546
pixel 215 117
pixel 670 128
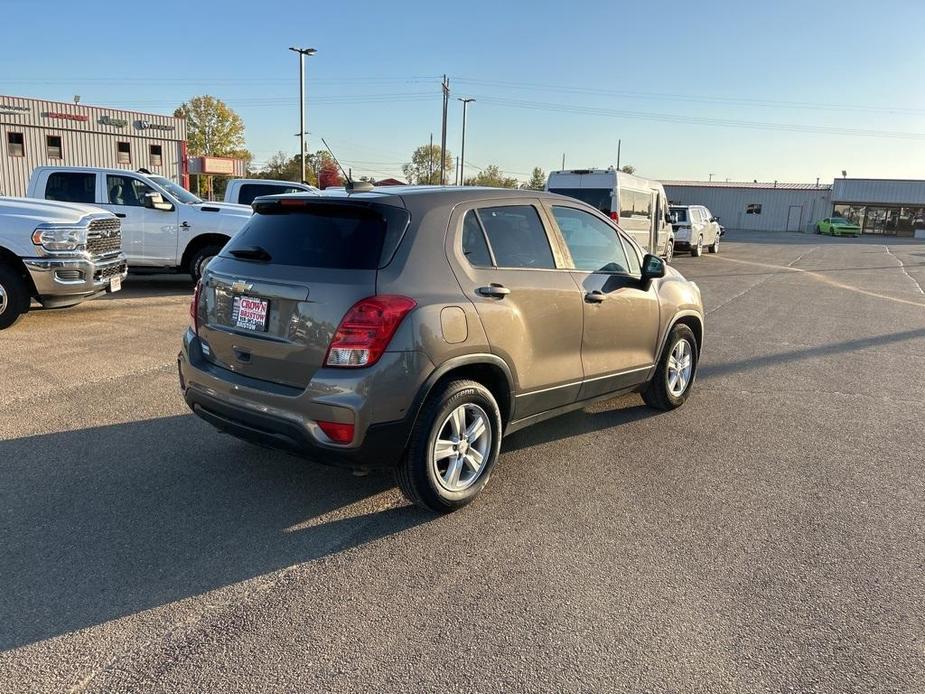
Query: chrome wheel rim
pixel 700 245
pixel 670 251
pixel 3 299
pixel 680 367
pixel 461 448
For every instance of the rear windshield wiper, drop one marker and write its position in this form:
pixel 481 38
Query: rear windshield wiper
pixel 251 253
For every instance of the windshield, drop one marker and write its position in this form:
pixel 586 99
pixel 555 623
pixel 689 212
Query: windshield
pixel 598 198
pixel 179 192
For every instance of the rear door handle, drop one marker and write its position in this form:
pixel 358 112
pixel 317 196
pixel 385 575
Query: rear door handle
pixel 496 291
pixel 120 215
pixel 595 297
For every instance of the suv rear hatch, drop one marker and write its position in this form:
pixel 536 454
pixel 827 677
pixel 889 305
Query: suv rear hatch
pixel 273 298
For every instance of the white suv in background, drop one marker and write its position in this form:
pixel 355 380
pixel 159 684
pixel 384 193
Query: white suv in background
pixel 164 226
pixel 694 228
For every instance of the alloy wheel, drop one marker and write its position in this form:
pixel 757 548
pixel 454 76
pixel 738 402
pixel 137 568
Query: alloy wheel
pixel 462 447
pixel 680 367
pixel 4 301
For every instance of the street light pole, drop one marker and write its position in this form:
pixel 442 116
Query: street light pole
pixel 302 53
pixel 462 153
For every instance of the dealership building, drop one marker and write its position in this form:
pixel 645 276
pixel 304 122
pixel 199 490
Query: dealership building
pixel 879 206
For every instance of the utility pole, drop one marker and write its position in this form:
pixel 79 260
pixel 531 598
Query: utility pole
pixel 430 161
pixel 446 101
pixel 462 153
pixel 459 180
pixel 302 53
pixel 563 161
pixel 710 179
pixel 619 146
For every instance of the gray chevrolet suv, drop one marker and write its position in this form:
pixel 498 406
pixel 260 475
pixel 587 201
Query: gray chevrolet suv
pixel 413 327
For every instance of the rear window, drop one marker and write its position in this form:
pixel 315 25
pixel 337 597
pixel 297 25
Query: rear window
pixel 342 237
pixel 598 198
pixel 678 215
pixel 71 186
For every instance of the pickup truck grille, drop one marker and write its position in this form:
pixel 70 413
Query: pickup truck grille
pixel 104 237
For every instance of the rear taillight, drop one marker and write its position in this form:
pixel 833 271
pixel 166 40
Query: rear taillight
pixel 337 432
pixel 366 330
pixel 615 216
pixel 194 308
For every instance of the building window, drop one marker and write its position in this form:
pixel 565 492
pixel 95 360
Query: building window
pixel 123 153
pixel 16 144
pixel 53 146
pixel 156 155
pixel 753 208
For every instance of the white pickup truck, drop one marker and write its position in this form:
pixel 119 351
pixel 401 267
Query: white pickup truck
pixel 57 253
pixel 164 226
pixel 242 191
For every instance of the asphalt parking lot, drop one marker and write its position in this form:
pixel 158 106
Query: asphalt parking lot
pixel 768 536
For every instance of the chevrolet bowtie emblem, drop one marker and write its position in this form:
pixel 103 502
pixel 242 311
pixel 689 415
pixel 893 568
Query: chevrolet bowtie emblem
pixel 239 286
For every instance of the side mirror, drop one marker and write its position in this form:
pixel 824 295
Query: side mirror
pixel 155 201
pixel 653 267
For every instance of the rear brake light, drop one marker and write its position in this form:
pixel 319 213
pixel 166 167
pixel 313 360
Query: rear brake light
pixel 337 432
pixel 194 308
pixel 615 216
pixel 366 330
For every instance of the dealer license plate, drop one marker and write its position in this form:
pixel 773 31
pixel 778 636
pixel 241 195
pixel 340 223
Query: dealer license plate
pixel 249 313
pixel 115 284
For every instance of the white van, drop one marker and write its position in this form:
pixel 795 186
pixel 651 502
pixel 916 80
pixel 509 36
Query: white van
pixel 242 191
pixel 638 205
pixel 164 226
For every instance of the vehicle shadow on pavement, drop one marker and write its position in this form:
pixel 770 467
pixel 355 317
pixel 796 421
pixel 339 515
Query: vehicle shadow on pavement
pixel 764 360
pixel 105 522
pixel 598 417
pixel 146 286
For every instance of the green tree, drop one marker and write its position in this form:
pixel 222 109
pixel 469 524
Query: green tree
pixel 537 180
pixel 493 177
pixel 424 167
pixel 628 169
pixel 213 129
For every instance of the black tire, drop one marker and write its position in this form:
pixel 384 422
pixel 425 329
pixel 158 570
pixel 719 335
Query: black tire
pixel 200 258
pixel 817 229
pixel 669 250
pixel 415 474
pixel 697 250
pixel 15 296
pixel 714 247
pixel 658 393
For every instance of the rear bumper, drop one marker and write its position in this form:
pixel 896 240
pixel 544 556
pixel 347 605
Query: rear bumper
pixel 378 401
pixel 682 245
pixel 67 281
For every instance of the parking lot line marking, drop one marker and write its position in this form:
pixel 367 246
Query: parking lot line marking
pixel 823 279
pixel 761 281
pixel 902 266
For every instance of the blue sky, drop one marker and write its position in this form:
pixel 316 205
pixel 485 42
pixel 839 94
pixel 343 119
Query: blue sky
pixel 743 90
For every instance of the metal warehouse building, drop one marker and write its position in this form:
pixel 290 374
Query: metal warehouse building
pixel 757 206
pixel 35 132
pixel 879 205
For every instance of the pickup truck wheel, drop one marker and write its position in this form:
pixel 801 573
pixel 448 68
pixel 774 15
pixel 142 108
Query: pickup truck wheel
pixel 714 247
pixel 454 446
pixel 201 258
pixel 676 370
pixel 697 250
pixel 669 250
pixel 14 296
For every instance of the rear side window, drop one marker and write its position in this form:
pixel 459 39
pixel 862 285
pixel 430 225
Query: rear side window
pixel 71 186
pixel 598 198
pixel 249 191
pixel 475 247
pixel 517 237
pixel 635 204
pixel 341 237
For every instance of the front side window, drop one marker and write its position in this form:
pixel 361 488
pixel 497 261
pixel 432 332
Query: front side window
pixel 475 247
pixel 126 190
pixel 517 237
pixel 53 147
pixel 71 186
pixel 595 245
pixel 16 144
pixel 123 153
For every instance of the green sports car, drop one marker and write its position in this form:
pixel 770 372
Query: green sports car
pixel 837 226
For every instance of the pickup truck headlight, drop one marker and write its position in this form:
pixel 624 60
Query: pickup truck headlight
pixel 60 238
